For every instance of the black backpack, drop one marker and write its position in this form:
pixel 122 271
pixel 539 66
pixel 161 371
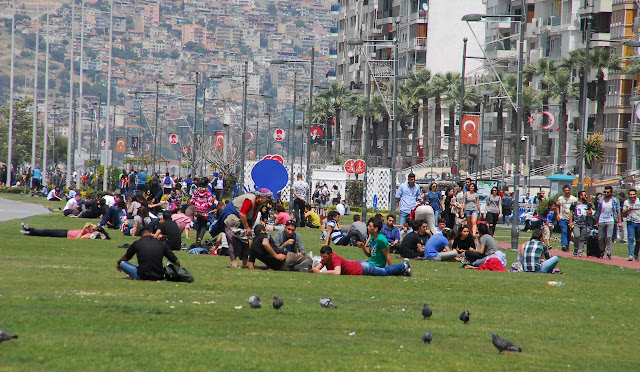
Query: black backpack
pixel 175 273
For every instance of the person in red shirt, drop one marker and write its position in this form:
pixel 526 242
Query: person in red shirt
pixel 338 265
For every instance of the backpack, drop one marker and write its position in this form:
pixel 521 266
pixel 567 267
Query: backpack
pixel 175 273
pixel 167 181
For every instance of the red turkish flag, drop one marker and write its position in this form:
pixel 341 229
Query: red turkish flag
pixel 469 129
pixel 219 141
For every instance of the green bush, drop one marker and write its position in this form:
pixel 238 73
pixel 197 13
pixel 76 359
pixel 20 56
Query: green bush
pixel 14 189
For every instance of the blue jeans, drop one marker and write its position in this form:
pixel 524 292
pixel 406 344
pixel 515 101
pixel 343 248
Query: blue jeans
pixel 548 265
pixel 402 218
pixel 564 232
pixel 633 232
pixel 436 215
pixel 112 215
pixel 369 269
pixel 129 269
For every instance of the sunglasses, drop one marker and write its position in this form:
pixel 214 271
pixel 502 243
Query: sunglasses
pixel 290 223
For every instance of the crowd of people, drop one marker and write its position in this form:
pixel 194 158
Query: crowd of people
pixel 252 227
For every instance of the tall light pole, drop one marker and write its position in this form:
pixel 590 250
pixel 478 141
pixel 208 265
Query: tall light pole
pixel 461 104
pixel 519 114
pixel 394 146
pixel 585 106
pixel 244 126
pixel 107 147
pixel 10 134
pixel 312 65
pixel 70 130
pixel 80 94
pixel 155 130
pixel 45 147
pixel 34 129
pixel 193 130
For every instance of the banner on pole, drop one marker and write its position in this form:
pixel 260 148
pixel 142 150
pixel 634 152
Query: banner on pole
pixel 469 129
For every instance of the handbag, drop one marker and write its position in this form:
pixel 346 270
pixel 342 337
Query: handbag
pixel 175 273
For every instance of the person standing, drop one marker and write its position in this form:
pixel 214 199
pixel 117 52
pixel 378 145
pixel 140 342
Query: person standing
pixel 300 195
pixel 407 197
pixel 36 178
pixel 448 212
pixel 218 186
pixel 471 207
pixel 167 184
pixel 141 182
pixel 578 222
pixel 202 200
pixel 564 212
pixel 507 206
pixel 631 208
pixel 494 209
pixel 435 200
pixel 607 215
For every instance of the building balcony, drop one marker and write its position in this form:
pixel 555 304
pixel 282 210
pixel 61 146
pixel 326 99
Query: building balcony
pixel 617 100
pixel 615 135
pixel 418 17
pixel 335 8
pixel 618 2
pixel 333 31
pixel 333 53
pixel 419 43
pixel 635 131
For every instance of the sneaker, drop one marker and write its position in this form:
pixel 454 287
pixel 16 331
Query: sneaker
pixel 565 248
pixel 608 257
pixel 25 232
pixel 630 258
pixel 580 254
pixel 575 252
pixel 407 267
pixel 25 227
pixel 635 257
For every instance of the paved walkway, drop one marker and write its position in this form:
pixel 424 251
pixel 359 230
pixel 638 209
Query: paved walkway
pixel 10 209
pixel 616 261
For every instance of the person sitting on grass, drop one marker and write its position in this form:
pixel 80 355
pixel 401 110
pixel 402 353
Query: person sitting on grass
pixel 90 208
pixel 53 195
pixel 337 265
pixel 377 249
pixel 412 245
pixel 464 241
pixel 312 218
pixel 184 218
pixel 111 217
pixel 391 232
pixel 287 240
pixel 265 249
pixel 168 232
pixel 531 254
pixel 140 221
pixel 72 208
pixel 334 233
pixel 281 217
pixel 149 251
pixel 89 231
pixel 486 245
pixel 437 247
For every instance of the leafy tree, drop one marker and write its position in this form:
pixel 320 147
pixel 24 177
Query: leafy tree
pixel 22 132
pixel 57 54
pixel 593 149
pixel 338 95
pixel 419 84
pixel 543 68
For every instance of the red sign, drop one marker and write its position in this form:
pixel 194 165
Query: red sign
pixel 277 158
pixel 279 134
pixel 104 143
pixel 469 129
pixel 173 139
pixel 219 141
pixel 348 166
pixel 316 133
pixel 360 166
pixel 186 148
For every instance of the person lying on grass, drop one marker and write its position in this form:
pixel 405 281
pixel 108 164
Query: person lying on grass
pixel 265 249
pixel 150 252
pixel 337 265
pixel 89 231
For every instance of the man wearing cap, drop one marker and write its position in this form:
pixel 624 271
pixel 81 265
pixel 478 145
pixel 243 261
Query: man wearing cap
pixel 407 197
pixel 236 220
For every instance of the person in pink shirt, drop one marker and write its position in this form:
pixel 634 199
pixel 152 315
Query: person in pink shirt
pixel 184 219
pixel 282 217
pixel 90 231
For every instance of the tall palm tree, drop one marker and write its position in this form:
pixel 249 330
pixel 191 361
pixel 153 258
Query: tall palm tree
pixel 322 112
pixel 356 104
pixel 419 83
pixel 439 85
pixel 601 58
pixel 339 95
pixel 380 130
pixel 562 89
pixel 542 68
pixel 408 110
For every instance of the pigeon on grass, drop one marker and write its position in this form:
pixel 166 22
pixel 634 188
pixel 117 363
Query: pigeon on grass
pixel 426 311
pixel 427 337
pixel 464 316
pixel 503 344
pixel 277 302
pixel 4 336
pixel 254 302
pixel 326 303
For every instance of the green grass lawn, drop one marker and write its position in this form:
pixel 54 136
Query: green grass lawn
pixel 72 310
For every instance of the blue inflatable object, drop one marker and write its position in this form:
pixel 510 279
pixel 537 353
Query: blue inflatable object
pixel 270 174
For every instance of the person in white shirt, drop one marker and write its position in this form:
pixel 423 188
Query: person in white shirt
pixel 607 215
pixel 72 208
pixel 631 210
pixel 343 208
pixel 300 197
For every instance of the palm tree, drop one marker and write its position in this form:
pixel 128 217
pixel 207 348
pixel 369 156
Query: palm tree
pixel 562 89
pixel 439 85
pixel 419 84
pixel 408 110
pixel 544 67
pixel 322 111
pixel 593 149
pixel 601 58
pixel 339 95
pixel 380 124
pixel 356 104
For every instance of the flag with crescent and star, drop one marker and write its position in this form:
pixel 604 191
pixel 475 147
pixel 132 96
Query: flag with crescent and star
pixel 121 144
pixel 469 129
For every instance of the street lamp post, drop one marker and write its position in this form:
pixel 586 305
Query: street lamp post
pixel 244 126
pixel 193 130
pixel 394 134
pixel 519 114
pixel 461 113
pixel 155 131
